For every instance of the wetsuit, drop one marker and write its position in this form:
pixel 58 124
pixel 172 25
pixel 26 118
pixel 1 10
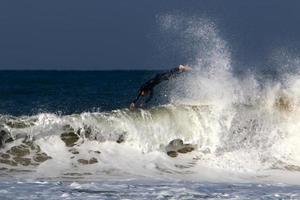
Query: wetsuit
pixel 147 88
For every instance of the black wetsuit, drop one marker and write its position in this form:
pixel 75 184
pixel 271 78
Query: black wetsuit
pixel 147 87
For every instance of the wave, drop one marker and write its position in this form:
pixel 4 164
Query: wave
pixel 217 127
pixel 241 139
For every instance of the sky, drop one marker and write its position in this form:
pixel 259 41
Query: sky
pixel 119 34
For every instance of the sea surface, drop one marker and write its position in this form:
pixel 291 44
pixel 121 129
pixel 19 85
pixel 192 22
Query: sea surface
pixel 70 135
pixel 67 92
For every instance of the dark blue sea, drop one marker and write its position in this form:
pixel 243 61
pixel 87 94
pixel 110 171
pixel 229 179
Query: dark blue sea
pixel 67 92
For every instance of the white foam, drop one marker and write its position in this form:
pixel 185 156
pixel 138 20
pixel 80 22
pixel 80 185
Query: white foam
pixel 243 129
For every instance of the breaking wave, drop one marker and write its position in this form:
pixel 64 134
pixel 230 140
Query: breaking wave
pixel 217 126
pixel 242 140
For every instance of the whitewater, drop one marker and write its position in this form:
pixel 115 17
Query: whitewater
pixel 243 129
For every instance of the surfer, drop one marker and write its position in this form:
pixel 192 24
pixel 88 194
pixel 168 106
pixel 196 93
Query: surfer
pixel 147 88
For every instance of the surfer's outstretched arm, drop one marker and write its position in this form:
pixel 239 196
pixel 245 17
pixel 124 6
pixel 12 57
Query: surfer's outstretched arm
pixel 132 105
pixel 173 72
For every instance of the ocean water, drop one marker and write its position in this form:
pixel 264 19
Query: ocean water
pixel 33 92
pixel 70 134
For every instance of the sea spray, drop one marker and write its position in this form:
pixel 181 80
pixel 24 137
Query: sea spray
pixel 244 128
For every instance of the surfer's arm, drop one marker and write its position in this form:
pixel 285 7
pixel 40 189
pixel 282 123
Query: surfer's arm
pixel 132 105
pixel 175 71
pixel 137 98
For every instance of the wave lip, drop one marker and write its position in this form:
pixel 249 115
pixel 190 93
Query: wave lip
pixel 241 140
